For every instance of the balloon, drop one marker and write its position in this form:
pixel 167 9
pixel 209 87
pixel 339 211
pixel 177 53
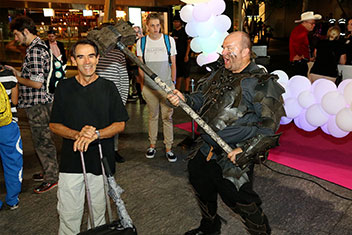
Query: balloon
pixel 323 87
pixel 191 29
pixel 316 116
pixel 297 122
pixel 298 84
pixel 343 84
pixel 206 28
pixel 324 128
pixel 334 129
pixel 201 12
pixel 303 124
pixel 306 99
pixel 217 6
pixel 283 78
pixel 344 119
pixel 222 23
pixel 201 59
pixel 347 93
pixel 186 13
pixel 292 108
pixel 196 45
pixel 333 102
pixel 285 120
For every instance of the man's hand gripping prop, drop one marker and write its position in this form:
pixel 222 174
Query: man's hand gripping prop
pixel 122 35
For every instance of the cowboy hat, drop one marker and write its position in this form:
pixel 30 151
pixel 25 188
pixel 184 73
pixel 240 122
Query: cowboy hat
pixel 308 15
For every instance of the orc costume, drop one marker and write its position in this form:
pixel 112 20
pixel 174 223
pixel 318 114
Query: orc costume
pixel 245 110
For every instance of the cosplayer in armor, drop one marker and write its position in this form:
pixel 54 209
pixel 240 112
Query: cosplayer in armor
pixel 244 106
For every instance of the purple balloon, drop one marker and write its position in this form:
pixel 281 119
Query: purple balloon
pixel 201 12
pixel 334 129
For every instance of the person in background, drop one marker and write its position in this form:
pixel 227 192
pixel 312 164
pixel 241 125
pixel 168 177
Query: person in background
pixel 35 100
pixel 11 143
pixel 183 48
pixel 87 108
pixel 56 47
pixel 348 41
pixel 328 54
pixel 157 59
pixel 299 43
pixel 113 67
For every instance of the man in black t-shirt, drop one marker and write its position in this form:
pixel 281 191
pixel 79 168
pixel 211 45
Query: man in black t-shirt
pixel 86 108
pixel 183 50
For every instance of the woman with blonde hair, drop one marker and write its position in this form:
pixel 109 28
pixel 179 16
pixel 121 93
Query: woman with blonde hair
pixel 328 53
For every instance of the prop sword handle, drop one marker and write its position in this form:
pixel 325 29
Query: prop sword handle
pixel 183 105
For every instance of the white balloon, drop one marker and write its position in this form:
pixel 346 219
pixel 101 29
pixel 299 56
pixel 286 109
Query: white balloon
pixel 344 119
pixel 334 129
pixel 285 120
pixel 217 6
pixel 222 23
pixel 298 84
pixel 206 28
pixel 196 45
pixel 343 84
pixel 303 123
pixel 191 29
pixel 321 88
pixel 306 99
pixel 324 128
pixel 186 13
pixel 283 78
pixel 201 12
pixel 347 93
pixel 316 116
pixel 201 59
pixel 292 108
pixel 333 102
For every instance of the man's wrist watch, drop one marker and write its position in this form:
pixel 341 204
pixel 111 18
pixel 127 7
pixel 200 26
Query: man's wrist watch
pixel 98 134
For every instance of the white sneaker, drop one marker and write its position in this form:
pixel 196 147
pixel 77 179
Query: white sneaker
pixel 171 156
pixel 150 153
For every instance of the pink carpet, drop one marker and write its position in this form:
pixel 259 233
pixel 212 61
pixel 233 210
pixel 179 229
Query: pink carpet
pixel 315 153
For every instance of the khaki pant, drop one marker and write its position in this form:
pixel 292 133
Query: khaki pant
pixel 71 198
pixel 156 99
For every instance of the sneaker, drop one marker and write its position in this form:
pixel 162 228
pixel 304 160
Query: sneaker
pixel 38 177
pixel 14 207
pixel 171 156
pixel 150 153
pixel 119 158
pixel 45 187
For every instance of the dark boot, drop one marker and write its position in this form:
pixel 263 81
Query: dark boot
pixel 210 223
pixel 119 158
pixel 254 218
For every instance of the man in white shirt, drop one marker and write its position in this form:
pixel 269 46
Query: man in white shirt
pixel 156 57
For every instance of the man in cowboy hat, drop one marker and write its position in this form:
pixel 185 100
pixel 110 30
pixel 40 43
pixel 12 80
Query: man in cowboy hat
pixel 299 44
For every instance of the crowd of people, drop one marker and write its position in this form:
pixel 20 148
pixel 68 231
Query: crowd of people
pixel 234 100
pixel 316 48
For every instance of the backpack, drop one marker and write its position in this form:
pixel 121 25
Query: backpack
pixel 167 44
pixel 5 107
pixel 56 72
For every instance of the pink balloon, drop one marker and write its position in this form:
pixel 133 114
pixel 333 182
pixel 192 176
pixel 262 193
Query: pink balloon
pixel 217 6
pixel 201 12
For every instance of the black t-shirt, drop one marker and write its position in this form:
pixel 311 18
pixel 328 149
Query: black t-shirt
pixel 328 56
pixel 97 104
pixel 181 39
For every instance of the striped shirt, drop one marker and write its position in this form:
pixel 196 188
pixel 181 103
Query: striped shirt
pixel 9 81
pixel 113 67
pixel 35 67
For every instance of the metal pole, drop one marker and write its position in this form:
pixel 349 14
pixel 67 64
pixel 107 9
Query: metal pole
pixel 193 131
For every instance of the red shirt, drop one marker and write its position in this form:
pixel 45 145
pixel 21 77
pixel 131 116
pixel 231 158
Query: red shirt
pixel 299 44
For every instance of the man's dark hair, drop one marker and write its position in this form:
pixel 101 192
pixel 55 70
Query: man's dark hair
pixel 51 31
pixel 23 22
pixel 84 42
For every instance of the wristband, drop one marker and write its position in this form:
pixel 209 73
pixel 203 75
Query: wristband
pixel 98 134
